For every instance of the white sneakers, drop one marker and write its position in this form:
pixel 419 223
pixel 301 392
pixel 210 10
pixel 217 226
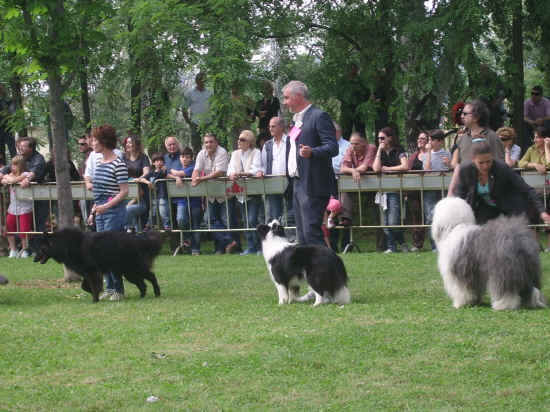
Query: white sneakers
pixel 23 253
pixel 106 294
pixel 111 295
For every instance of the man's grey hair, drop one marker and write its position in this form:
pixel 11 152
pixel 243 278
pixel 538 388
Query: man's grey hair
pixel 171 137
pixel 297 87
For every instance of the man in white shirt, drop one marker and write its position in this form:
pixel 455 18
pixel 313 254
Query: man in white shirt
pixel 436 159
pixel 211 163
pixel 343 145
pixel 274 161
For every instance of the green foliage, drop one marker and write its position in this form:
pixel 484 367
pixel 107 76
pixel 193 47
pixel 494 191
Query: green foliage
pixel 423 60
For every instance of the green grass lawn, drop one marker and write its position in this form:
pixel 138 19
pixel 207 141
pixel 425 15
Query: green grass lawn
pixel 217 340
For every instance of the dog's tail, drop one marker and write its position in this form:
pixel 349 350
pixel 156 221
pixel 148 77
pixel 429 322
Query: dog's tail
pixel 537 299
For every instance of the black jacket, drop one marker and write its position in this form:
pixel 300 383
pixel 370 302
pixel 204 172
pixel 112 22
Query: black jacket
pixel 316 173
pixel 509 191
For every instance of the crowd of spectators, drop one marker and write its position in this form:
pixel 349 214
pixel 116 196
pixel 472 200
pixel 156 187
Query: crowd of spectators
pixel 311 152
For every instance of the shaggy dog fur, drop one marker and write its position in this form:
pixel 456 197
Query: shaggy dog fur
pixel 501 256
pixel 90 254
pixel 288 264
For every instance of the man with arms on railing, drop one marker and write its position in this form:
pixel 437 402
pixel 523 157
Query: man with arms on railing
pixel 357 160
pixel 211 163
pixel 36 169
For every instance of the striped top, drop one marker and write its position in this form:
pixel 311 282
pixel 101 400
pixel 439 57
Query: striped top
pixel 108 176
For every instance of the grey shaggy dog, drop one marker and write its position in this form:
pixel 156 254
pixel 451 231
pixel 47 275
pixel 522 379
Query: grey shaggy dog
pixel 501 257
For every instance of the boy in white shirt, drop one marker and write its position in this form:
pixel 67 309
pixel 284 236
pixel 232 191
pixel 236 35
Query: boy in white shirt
pixel 437 159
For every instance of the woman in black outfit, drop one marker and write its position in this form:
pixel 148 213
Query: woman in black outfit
pixel 492 188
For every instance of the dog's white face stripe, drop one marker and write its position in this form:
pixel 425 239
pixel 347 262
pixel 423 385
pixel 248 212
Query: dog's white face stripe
pixel 272 245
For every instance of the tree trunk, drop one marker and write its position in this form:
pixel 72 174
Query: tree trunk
pixel 84 95
pixel 16 87
pixel 135 88
pixel 517 75
pixel 62 170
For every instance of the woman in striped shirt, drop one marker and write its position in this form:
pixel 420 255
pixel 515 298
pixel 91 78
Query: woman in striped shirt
pixel 110 185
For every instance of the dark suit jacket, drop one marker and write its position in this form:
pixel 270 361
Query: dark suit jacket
pixel 316 173
pixel 507 188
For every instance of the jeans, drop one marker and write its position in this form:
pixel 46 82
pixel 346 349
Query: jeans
pixel 186 222
pixel 217 218
pixel 136 213
pixel 431 197
pixel 275 207
pixel 113 219
pixel 164 212
pixel 253 204
pixel 392 216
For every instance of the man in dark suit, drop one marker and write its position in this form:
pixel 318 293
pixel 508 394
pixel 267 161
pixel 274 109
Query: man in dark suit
pixel 313 144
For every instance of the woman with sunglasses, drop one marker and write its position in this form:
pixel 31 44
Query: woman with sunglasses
pixel 512 152
pixel 390 157
pixel 475 118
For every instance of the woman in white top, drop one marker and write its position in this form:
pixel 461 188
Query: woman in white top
pixel 512 152
pixel 246 161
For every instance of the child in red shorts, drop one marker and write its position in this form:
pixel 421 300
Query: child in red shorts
pixel 19 218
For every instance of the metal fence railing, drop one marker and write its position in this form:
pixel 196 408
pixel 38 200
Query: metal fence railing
pixel 366 214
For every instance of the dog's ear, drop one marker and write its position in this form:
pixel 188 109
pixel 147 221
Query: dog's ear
pixel 274 224
pixel 262 230
pixel 277 228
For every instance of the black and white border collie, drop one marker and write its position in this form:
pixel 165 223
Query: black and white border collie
pixel 290 263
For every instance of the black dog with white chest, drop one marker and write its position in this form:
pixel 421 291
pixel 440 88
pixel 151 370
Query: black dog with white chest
pixel 90 254
pixel 290 263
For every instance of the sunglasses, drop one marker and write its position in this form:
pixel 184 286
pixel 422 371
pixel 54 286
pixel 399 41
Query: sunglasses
pixel 505 139
pixel 535 94
pixel 83 144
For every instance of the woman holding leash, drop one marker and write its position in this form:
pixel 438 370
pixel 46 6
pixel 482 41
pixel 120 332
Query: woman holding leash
pixel 110 187
pixel 491 188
